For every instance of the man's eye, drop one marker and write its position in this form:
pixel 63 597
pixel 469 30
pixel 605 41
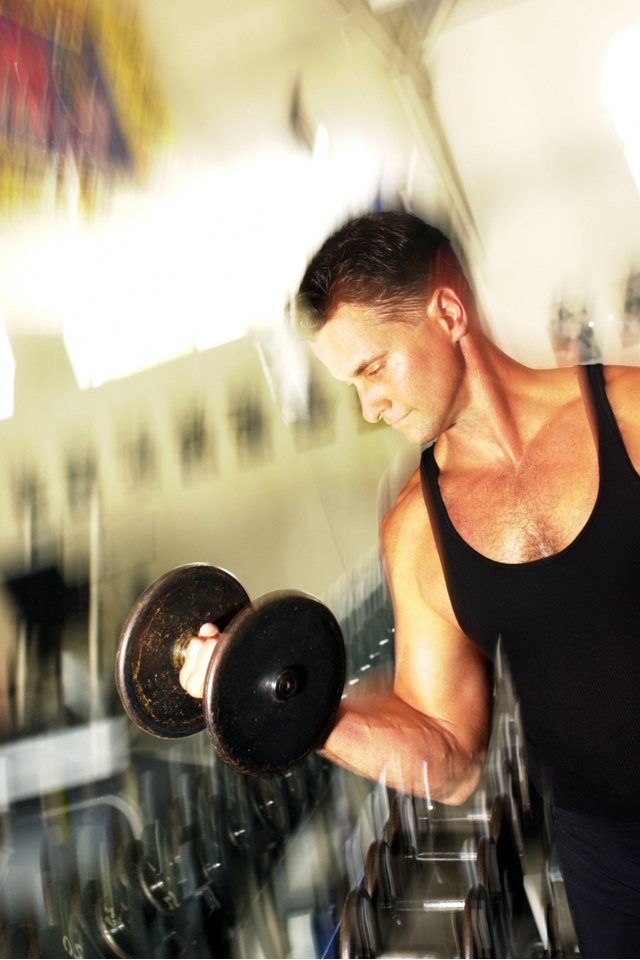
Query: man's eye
pixel 375 369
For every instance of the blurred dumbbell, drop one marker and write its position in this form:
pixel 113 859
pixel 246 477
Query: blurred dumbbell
pixel 414 820
pixel 419 903
pixel 419 829
pixel 61 887
pixel 274 682
pixel 359 934
pixel 296 782
pixel 415 833
pixel 170 869
pixel 115 914
pixel 440 929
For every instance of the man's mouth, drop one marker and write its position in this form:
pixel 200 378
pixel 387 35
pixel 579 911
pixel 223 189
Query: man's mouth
pixel 399 420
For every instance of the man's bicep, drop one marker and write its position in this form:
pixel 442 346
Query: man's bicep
pixel 438 670
pixel 441 673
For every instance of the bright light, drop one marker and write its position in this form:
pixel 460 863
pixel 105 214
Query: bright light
pixel 322 145
pixel 127 307
pixel 7 375
pixel 620 87
pixel 210 262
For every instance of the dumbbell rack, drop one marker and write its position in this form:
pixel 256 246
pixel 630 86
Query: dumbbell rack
pixel 477 880
pixel 173 857
pixel 169 853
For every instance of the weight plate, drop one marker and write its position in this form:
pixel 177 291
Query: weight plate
pixel 275 683
pixel 359 933
pixel 162 621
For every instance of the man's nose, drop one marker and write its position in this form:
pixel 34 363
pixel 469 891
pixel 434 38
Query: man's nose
pixel 372 402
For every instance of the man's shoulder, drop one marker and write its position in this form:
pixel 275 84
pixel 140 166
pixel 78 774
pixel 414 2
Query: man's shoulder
pixel 411 556
pixel 623 382
pixel 407 519
pixel 623 392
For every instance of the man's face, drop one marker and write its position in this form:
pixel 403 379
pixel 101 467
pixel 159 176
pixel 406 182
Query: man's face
pixel 406 374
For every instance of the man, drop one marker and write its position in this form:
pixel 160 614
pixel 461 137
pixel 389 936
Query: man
pixel 522 524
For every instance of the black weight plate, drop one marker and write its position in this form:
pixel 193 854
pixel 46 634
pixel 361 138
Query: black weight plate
pixel 256 728
pixel 166 615
pixel 359 933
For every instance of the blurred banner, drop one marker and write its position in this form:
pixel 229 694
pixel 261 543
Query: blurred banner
pixel 78 104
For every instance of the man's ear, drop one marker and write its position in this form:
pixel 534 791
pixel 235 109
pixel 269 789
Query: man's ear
pixel 447 309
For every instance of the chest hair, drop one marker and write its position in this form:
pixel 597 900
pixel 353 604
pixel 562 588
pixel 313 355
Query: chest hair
pixel 518 514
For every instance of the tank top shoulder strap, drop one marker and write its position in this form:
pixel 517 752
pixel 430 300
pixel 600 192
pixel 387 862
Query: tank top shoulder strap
pixel 611 449
pixel 612 453
pixel 429 473
pixel 428 466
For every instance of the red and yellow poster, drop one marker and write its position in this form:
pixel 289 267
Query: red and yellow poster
pixel 76 92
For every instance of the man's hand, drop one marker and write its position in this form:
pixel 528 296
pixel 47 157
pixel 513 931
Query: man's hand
pixel 197 658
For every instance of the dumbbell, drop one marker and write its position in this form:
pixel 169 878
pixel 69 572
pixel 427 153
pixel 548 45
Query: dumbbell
pixel 440 929
pixel 422 900
pixel 413 832
pixel 416 831
pixel 274 682
pixel 359 934
pixel 167 875
pixel 61 898
pixel 419 836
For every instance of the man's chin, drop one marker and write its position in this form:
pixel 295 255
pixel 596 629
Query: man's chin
pixel 414 434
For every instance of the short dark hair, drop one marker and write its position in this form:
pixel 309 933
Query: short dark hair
pixel 385 259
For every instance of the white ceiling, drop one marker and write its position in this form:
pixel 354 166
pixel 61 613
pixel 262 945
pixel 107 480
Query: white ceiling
pixel 520 94
pixel 489 108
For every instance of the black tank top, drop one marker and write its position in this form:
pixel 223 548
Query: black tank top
pixel 569 625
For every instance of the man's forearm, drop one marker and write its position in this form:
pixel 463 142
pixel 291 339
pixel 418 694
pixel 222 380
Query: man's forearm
pixel 382 737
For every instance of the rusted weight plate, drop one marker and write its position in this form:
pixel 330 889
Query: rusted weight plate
pixel 160 624
pixel 275 683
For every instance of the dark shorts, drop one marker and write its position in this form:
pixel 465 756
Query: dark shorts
pixel 600 863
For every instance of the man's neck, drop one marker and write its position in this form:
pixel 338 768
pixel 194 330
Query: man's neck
pixel 504 406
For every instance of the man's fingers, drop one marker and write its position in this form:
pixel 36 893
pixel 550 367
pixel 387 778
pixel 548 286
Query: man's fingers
pixel 196 660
